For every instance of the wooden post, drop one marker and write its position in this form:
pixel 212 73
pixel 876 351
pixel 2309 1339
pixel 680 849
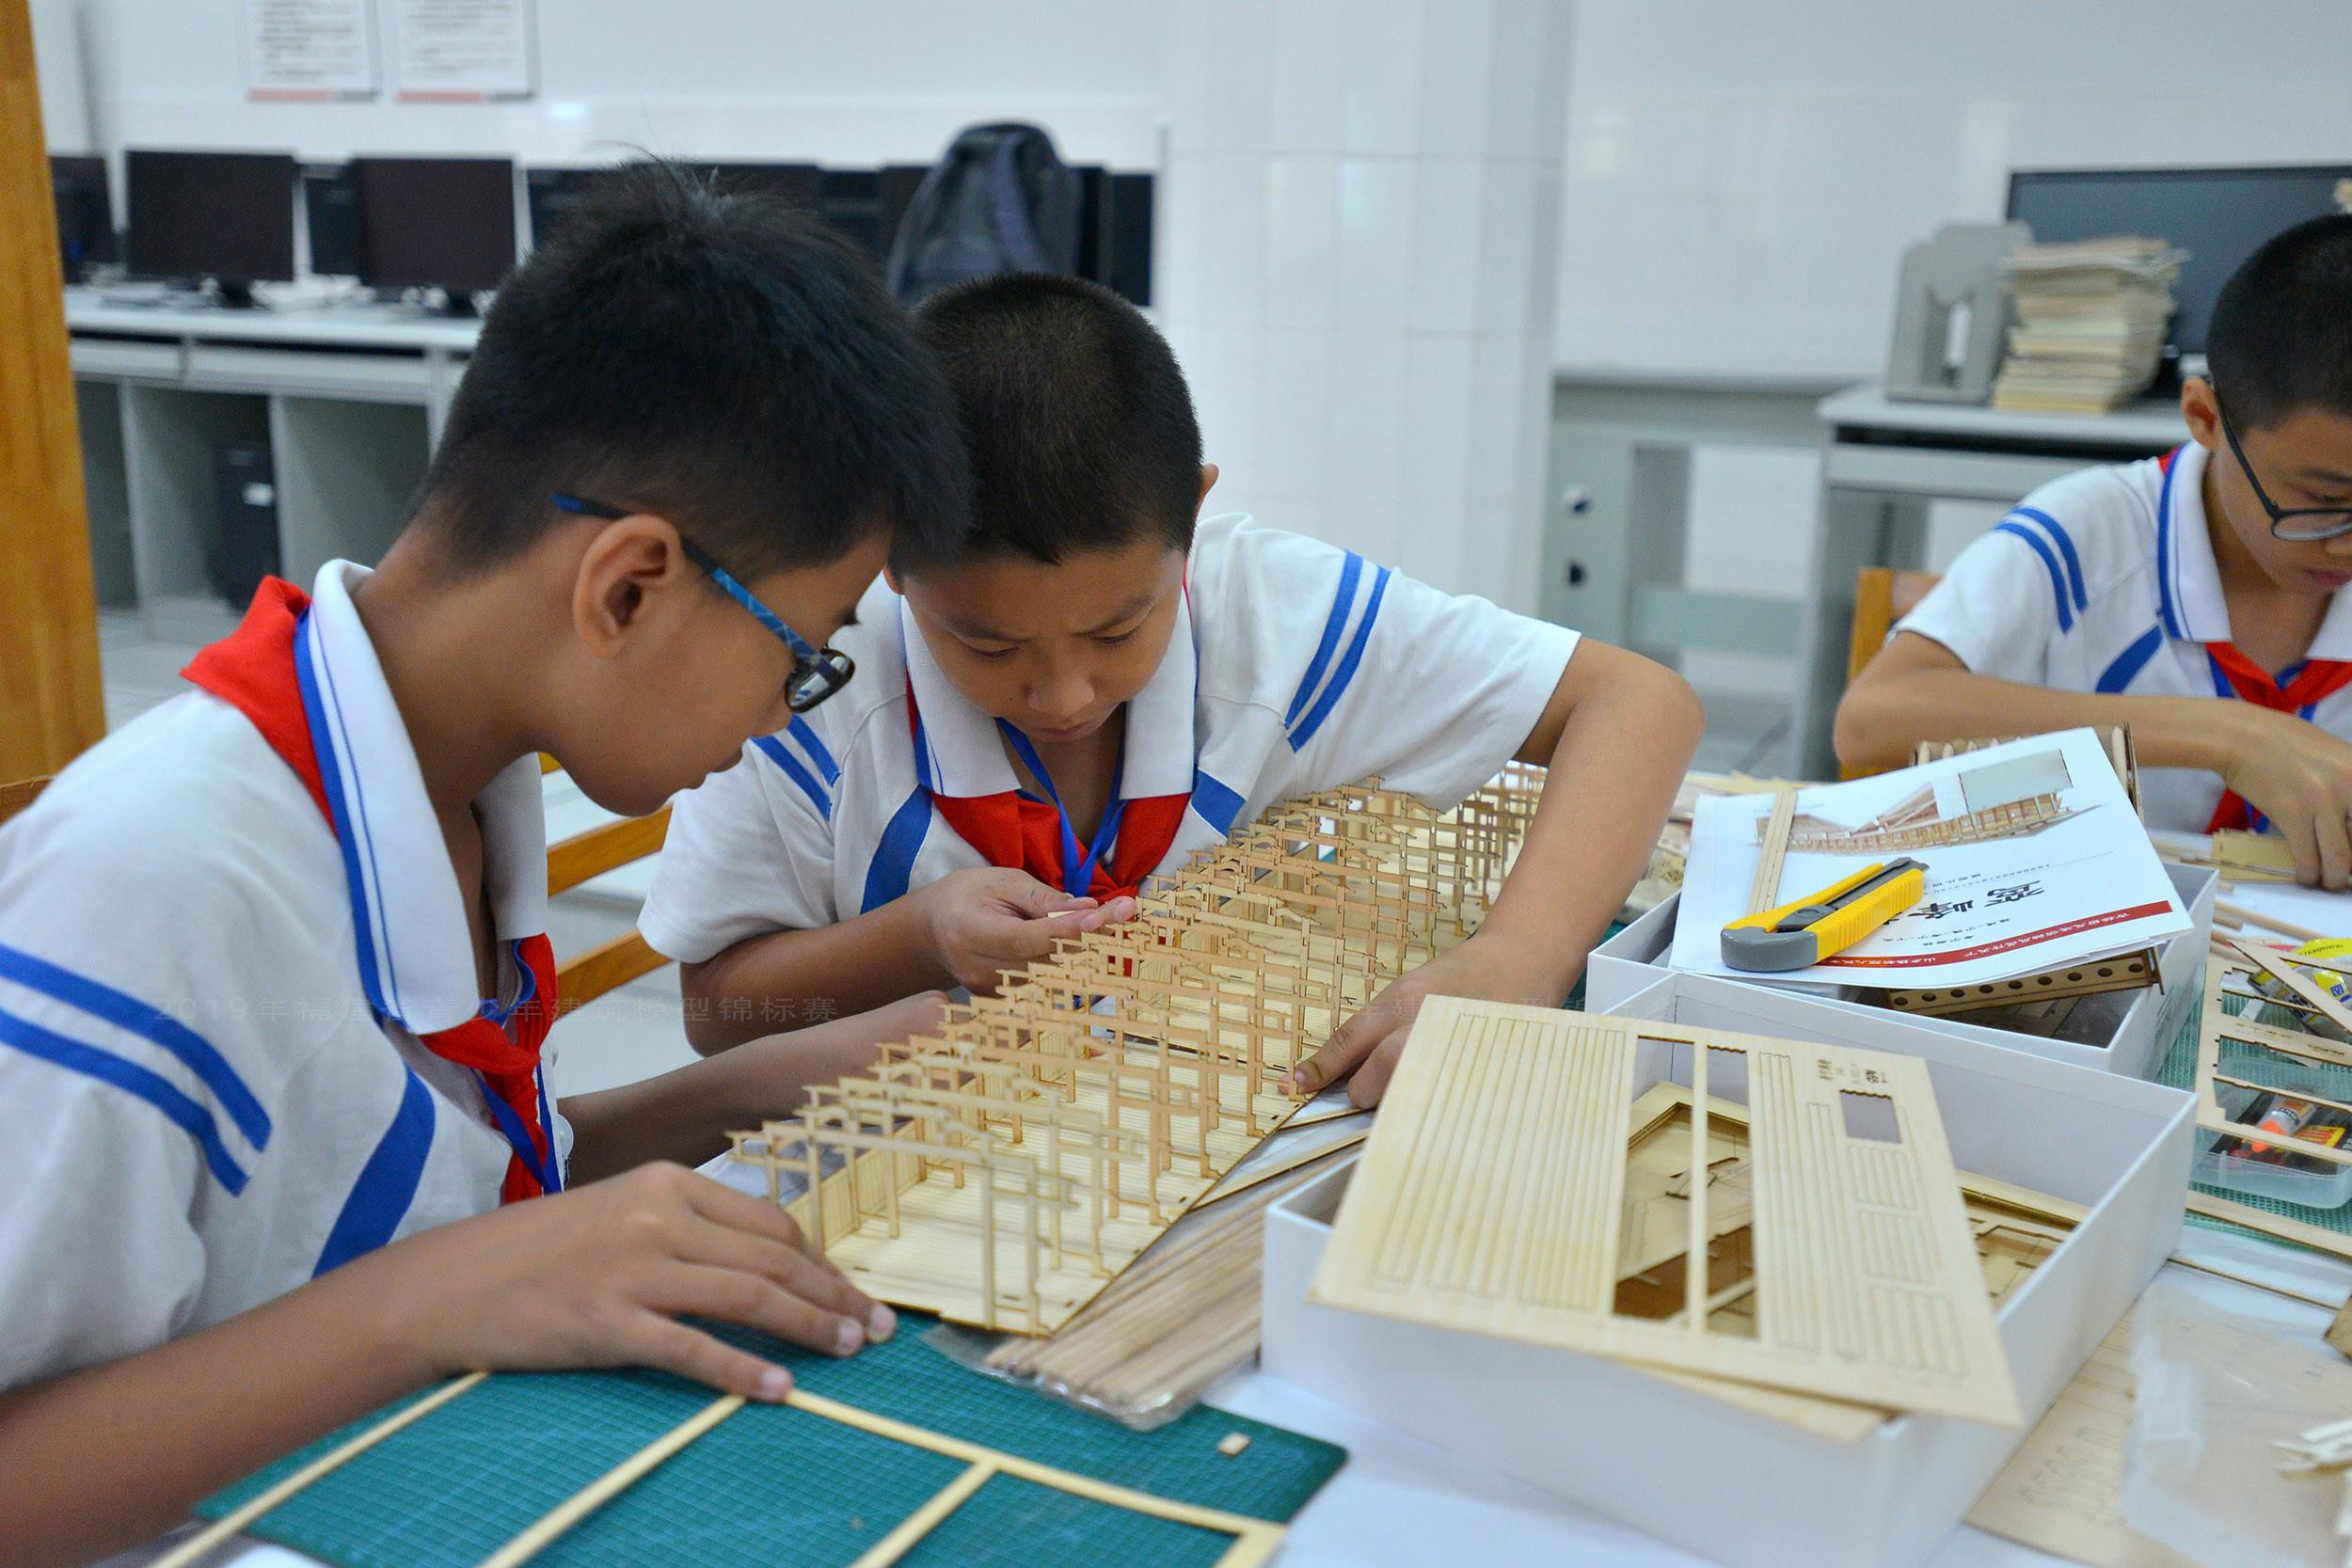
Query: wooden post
pixel 51 703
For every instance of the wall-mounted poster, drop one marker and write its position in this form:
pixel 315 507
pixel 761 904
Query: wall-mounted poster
pixel 308 50
pixel 461 50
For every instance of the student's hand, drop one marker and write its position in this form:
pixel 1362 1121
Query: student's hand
pixel 1369 1044
pixel 2300 777
pixel 988 919
pixel 598 1276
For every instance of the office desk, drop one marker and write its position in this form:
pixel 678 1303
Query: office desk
pixel 350 400
pixel 1884 463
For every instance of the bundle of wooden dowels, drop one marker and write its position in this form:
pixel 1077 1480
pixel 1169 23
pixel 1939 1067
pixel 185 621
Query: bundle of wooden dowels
pixel 1180 1318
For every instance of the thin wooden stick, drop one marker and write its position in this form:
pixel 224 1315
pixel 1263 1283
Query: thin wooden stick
pixel 2256 1284
pixel 920 1523
pixel 611 1485
pixel 2240 913
pixel 1765 892
pixel 1259 1534
pixel 230 1524
pixel 2286 1230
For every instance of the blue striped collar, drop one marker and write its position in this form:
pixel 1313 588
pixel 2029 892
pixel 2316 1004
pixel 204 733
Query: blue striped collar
pixel 2188 581
pixel 962 755
pixel 416 953
pixel 2191 594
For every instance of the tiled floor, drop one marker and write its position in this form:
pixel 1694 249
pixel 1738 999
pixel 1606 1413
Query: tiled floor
pixel 627 1035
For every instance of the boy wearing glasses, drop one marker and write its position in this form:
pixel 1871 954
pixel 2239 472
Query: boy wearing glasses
pixel 274 970
pixel 1099 685
pixel 2193 596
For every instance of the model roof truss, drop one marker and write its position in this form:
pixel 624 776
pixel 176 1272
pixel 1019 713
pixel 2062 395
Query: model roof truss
pixel 1003 1171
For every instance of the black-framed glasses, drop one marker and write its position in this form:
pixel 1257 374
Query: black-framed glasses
pixel 2316 522
pixel 817 672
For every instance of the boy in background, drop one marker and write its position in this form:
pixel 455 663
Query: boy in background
pixel 2193 596
pixel 1101 683
pixel 274 974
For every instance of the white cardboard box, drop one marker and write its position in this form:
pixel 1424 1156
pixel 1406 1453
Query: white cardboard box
pixel 1734 1486
pixel 1635 958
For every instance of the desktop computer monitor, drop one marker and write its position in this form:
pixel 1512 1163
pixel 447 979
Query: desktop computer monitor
pixel 2221 216
pixel 435 223
pixel 223 216
pixel 554 194
pixel 86 220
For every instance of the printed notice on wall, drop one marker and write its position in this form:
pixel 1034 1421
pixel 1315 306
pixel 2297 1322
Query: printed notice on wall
pixel 308 50
pixel 462 51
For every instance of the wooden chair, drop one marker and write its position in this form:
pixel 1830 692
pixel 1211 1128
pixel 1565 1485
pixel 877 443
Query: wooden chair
pixel 15 797
pixel 1881 596
pixel 609 965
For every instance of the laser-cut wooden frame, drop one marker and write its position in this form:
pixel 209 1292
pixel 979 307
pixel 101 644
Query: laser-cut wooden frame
pixel 1490 1198
pixel 1002 1172
pixel 2218 1025
pixel 1255 1540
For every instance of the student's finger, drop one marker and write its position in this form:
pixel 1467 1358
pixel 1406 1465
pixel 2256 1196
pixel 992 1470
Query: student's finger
pixel 1369 1084
pixel 731 1295
pixel 2302 847
pixel 2335 852
pixel 650 1339
pixel 1034 939
pixel 723 1207
pixel 1116 912
pixel 792 1270
pixel 1033 898
pixel 1348 1047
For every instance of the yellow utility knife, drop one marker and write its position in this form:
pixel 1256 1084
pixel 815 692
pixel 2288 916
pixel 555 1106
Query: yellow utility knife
pixel 1803 933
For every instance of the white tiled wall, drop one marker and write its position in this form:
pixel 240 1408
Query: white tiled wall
pixel 1740 181
pixel 1358 261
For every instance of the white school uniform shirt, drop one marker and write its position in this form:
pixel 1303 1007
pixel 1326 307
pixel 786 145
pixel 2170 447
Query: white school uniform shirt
pixel 1297 667
pixel 199 1108
pixel 2105 581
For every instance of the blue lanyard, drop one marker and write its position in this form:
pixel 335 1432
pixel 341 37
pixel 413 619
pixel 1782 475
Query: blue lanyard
pixel 547 1172
pixel 1077 870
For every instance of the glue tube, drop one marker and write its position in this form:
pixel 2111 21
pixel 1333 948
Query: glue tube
pixel 2285 1118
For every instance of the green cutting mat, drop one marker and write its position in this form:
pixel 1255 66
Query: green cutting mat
pixel 2179 1071
pixel 771 1484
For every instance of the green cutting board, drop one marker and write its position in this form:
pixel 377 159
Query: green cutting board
pixel 770 1485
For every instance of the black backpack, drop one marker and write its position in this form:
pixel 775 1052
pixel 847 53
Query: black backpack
pixel 1000 200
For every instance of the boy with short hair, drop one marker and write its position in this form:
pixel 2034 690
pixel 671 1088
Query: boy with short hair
pixel 273 965
pixel 2139 594
pixel 1097 687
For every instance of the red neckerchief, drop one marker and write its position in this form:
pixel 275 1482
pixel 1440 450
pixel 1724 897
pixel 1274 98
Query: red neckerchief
pixel 253 671
pixel 2319 678
pixel 1013 830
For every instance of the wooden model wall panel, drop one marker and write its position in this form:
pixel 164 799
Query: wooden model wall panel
pixel 1004 1171
pixel 1490 1198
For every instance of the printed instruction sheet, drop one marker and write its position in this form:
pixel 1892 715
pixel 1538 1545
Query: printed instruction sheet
pixel 2035 859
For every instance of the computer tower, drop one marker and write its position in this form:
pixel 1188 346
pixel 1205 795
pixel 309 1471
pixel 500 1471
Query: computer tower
pixel 247 489
pixel 86 225
pixel 330 202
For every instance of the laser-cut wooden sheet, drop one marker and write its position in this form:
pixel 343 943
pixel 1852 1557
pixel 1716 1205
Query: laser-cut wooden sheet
pixel 1491 1199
